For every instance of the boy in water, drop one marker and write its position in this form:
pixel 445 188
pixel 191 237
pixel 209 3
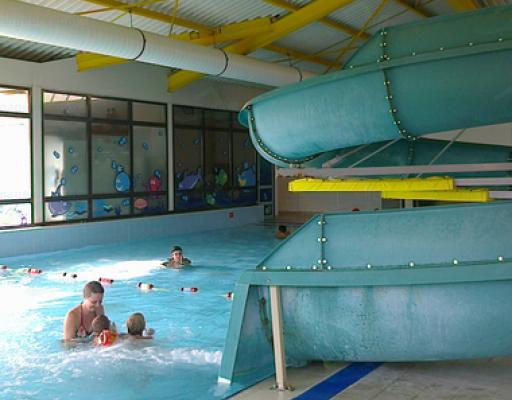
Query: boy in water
pixel 282 232
pixel 136 326
pixel 104 332
pixel 176 260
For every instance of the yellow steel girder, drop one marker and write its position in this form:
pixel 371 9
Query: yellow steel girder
pixel 371 185
pixel 459 195
pixel 290 23
pixel 417 10
pixel 463 5
pixel 325 21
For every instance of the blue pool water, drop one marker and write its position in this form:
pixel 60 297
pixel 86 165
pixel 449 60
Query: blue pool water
pixel 182 361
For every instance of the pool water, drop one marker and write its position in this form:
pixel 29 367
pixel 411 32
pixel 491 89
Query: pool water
pixel 183 360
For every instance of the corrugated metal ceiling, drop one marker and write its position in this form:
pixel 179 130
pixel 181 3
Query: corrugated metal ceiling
pixel 315 38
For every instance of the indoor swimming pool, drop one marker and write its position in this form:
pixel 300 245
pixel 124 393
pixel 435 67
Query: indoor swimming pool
pixel 182 361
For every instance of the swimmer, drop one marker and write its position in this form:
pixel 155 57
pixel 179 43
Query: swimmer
pixel 136 326
pixel 78 321
pixel 176 260
pixel 282 232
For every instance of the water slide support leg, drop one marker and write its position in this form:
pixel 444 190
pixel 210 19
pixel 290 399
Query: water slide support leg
pixel 277 332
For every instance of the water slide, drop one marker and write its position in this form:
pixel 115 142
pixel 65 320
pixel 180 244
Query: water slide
pixel 399 285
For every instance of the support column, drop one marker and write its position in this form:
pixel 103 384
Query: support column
pixel 277 333
pixel 37 154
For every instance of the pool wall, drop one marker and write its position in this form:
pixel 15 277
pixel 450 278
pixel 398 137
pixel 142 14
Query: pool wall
pixel 60 237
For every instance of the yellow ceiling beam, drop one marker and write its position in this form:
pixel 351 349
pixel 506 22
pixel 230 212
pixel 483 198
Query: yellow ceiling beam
pixel 236 31
pixel 435 183
pixel 417 10
pixel 301 56
pixel 285 5
pixel 87 61
pixel 459 195
pixel 144 12
pixel 290 23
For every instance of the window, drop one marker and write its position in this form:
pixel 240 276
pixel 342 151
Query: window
pixel 215 163
pixel 103 158
pixel 15 158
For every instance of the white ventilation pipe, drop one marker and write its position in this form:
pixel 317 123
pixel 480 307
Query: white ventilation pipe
pixel 20 20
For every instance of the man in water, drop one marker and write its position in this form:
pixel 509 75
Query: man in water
pixel 78 321
pixel 176 260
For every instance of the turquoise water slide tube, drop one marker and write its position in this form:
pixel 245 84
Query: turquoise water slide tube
pixel 439 74
pixel 401 285
pixel 405 285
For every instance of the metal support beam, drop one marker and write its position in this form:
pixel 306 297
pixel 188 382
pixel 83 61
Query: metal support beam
pixel 375 152
pixel 384 171
pixel 340 157
pixel 301 56
pixel 483 182
pixel 463 5
pixel 277 334
pixel 325 21
pixel 304 16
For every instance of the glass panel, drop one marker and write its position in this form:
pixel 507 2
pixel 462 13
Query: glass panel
pixel 217 119
pixel 109 109
pixel 64 104
pixel 65 210
pixel 104 208
pixel 15 174
pixel 188 161
pixel 244 160
pixel 65 158
pixel 187 116
pixel 244 197
pixel 150 205
pixel 14 100
pixel 267 210
pixel 149 112
pixel 218 198
pixel 217 157
pixel 15 214
pixel 189 200
pixel 110 159
pixel 265 195
pixel 266 171
pixel 149 159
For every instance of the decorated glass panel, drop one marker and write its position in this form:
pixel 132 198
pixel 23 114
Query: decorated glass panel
pixel 68 105
pixel 14 100
pixel 108 208
pixel 65 210
pixel 15 164
pixel 15 214
pixel 147 205
pixel 65 158
pixel 243 197
pixel 149 159
pixel 110 159
pixel 189 200
pixel 244 160
pixel 188 159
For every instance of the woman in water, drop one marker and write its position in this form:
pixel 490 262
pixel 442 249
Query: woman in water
pixel 176 260
pixel 78 321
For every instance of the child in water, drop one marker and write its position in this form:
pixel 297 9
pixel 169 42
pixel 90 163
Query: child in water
pixel 136 326
pixel 176 260
pixel 104 331
pixel 282 232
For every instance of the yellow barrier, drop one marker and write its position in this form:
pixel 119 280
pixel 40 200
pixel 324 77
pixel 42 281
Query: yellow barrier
pixel 462 195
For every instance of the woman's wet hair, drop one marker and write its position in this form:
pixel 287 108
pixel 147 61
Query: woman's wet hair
pixel 136 324
pixel 100 323
pixel 93 287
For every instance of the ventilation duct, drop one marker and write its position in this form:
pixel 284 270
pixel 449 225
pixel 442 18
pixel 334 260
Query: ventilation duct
pixel 20 20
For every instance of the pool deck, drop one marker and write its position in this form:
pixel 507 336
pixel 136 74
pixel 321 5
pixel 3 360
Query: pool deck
pixel 450 380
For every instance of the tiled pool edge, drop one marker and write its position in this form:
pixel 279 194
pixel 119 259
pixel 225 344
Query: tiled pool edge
pixel 59 237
